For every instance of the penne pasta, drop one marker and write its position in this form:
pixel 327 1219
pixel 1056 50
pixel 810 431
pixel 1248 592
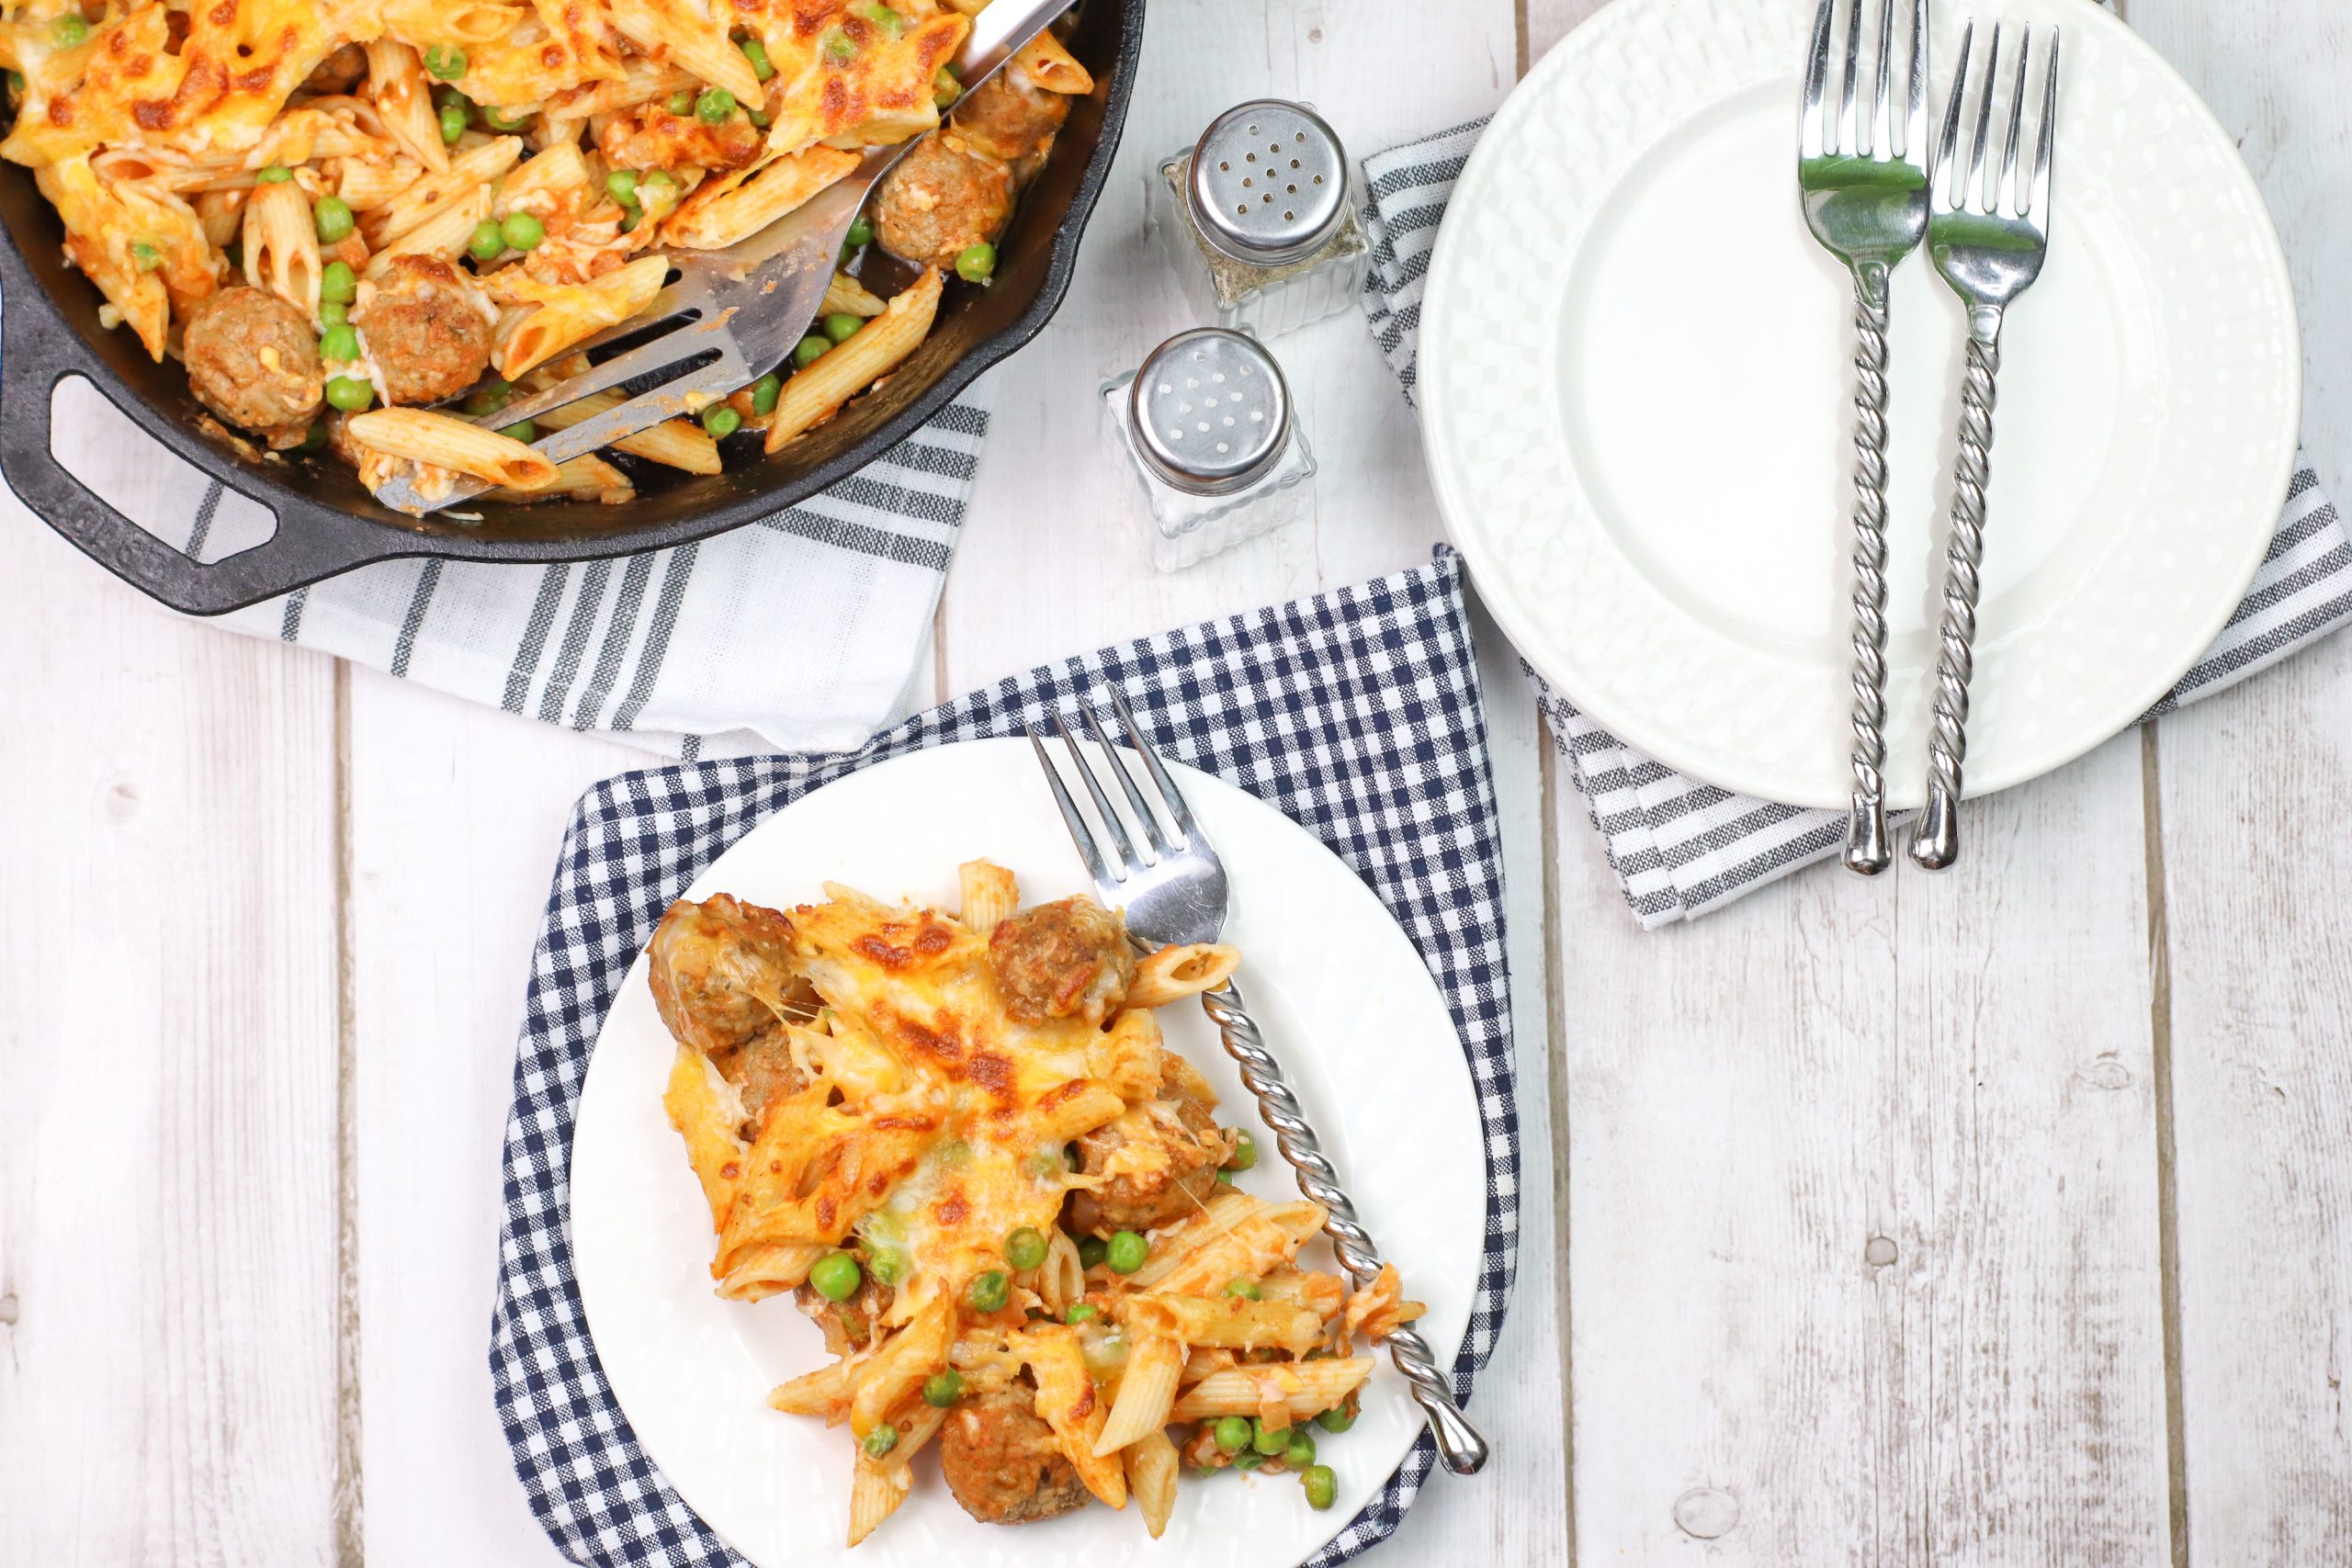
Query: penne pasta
pixel 566 316
pixel 892 1374
pixel 720 213
pixel 1303 1389
pixel 1146 1390
pixel 845 296
pixel 445 442
pixel 1068 1404
pixel 818 392
pixel 1230 1322
pixel 1270 1237
pixel 1151 1466
pixel 404 100
pixel 1174 973
pixel 990 895
pixel 461 184
pixel 282 246
pixel 584 478
pixel 674 442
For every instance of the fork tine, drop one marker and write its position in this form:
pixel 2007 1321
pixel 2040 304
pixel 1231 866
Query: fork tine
pixel 1847 110
pixel 667 350
pixel 1075 820
pixel 2008 198
pixel 1882 129
pixel 1112 820
pixel 1120 771
pixel 1947 149
pixel 2037 206
pixel 1174 798
pixel 1915 128
pixel 1811 134
pixel 1978 192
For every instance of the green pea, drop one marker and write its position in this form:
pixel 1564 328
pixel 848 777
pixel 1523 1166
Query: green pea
pixel 944 88
pixel 860 230
pixel 757 118
pixel 1266 1440
pixel 976 264
pixel 338 284
pixel 524 430
pixel 1246 1289
pixel 1248 1459
pixel 68 30
pixel 489 241
pixel 841 326
pixel 1024 1248
pixel 881 1441
pixel 446 62
pixel 1091 1250
pixel 715 105
pixel 942 1389
pixel 1224 1178
pixel 17 84
pixel 1232 1433
pixel 886 1264
pixel 757 54
pixel 315 438
pixel 523 232
pixel 1080 1312
pixel 811 349
pixel 147 257
pixel 1245 1152
pixel 1322 1486
pixel 489 397
pixel 453 123
pixel 882 16
pixel 836 1276
pixel 658 181
pixel 350 394
pixel 988 1292
pixel 449 97
pixel 631 219
pixel 621 185
pixel 764 392
pixel 1339 1418
pixel 722 420
pixel 276 174
pixel 340 343
pixel 499 119
pixel 1299 1452
pixel 1127 1252
pixel 681 102
pixel 840 45
pixel 333 314
pixel 333 216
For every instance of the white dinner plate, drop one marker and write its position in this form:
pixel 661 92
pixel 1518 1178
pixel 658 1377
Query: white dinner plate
pixel 1346 1003
pixel 1636 395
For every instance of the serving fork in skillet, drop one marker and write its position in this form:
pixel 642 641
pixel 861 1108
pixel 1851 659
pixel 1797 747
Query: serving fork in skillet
pixel 1176 894
pixel 1867 204
pixel 1988 237
pixel 732 314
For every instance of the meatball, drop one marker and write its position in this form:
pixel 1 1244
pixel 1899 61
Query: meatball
pixel 339 71
pixel 1008 120
pixel 252 359
pixel 425 327
pixel 1137 1199
pixel 1065 960
pixel 762 1072
pixel 1002 1464
pixel 718 970
pixel 943 198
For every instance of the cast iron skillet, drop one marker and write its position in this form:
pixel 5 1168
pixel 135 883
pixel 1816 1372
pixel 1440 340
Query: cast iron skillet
pixel 327 522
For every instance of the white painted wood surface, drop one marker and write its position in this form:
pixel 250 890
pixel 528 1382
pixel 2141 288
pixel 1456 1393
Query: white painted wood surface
pixel 2000 1220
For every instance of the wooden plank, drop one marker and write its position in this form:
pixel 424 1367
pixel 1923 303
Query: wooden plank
pixel 456 812
pixel 1863 1218
pixel 2256 932
pixel 168 1081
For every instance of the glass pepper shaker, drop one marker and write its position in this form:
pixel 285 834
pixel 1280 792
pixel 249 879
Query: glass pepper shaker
pixel 1207 423
pixel 1258 218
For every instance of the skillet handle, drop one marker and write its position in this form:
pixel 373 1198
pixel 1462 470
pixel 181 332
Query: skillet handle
pixel 36 352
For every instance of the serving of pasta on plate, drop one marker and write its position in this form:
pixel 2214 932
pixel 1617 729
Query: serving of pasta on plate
pixel 364 226
pixel 961 1144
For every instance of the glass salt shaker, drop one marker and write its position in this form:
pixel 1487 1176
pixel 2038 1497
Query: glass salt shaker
pixel 1207 422
pixel 1259 218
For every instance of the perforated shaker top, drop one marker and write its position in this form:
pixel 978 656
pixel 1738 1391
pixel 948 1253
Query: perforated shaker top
pixel 1267 182
pixel 1212 411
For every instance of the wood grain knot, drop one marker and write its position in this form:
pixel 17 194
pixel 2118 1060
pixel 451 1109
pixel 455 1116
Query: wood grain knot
pixel 9 1310
pixel 1706 1512
pixel 2108 1073
pixel 119 800
pixel 1879 1251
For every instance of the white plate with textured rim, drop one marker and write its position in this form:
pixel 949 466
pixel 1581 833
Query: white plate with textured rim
pixel 1346 1002
pixel 1636 393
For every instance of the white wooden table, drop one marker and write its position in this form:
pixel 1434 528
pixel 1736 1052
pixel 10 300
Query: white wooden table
pixel 2001 1219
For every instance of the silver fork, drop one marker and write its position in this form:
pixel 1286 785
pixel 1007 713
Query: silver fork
pixel 1989 245
pixel 1867 205
pixel 1179 894
pixel 746 304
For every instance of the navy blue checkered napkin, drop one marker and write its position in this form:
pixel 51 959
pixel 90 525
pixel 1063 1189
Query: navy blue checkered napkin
pixel 1356 713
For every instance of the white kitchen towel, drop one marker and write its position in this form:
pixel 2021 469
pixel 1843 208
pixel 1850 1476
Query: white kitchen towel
pixel 800 632
pixel 1679 847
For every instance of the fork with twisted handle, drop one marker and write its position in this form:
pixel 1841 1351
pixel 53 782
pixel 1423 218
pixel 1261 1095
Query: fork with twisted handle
pixel 1177 894
pixel 1867 205
pixel 1988 240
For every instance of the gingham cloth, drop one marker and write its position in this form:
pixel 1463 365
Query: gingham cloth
pixel 1682 848
pixel 803 629
pixel 1356 713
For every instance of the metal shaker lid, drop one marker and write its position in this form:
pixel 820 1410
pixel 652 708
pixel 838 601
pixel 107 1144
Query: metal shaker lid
pixel 1268 182
pixel 1210 410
